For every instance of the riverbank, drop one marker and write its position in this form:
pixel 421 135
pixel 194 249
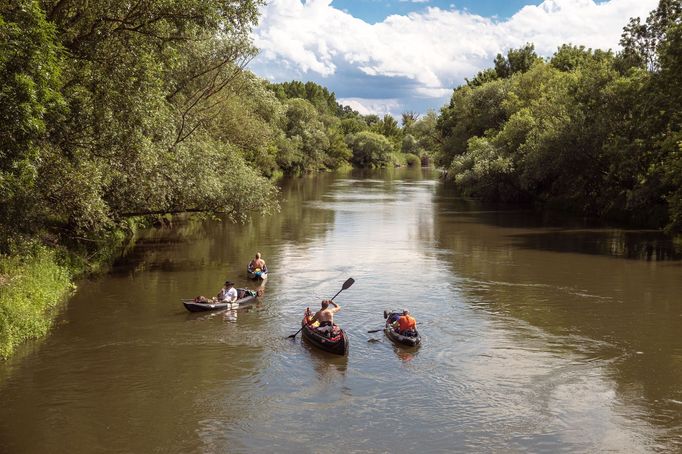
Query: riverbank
pixel 31 286
pixel 37 278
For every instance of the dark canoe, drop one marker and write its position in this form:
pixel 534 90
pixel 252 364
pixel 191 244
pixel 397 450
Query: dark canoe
pixel 249 297
pixel 337 345
pixel 398 338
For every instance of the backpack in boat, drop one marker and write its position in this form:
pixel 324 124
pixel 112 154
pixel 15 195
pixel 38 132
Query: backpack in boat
pixel 243 293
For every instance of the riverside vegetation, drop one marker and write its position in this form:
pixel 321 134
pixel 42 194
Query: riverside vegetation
pixel 116 114
pixel 589 131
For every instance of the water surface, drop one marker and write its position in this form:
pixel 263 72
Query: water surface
pixel 539 334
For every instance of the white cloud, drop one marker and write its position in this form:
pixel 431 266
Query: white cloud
pixel 367 106
pixel 431 51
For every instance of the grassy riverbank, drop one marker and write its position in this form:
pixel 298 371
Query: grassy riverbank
pixel 30 286
pixel 36 278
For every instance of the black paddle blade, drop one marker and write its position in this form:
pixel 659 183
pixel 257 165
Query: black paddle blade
pixel 375 330
pixel 294 335
pixel 348 283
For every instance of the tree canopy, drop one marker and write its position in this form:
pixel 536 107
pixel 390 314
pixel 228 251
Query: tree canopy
pixel 588 131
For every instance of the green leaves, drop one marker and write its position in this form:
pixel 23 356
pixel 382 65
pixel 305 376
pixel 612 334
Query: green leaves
pixel 582 132
pixel 369 149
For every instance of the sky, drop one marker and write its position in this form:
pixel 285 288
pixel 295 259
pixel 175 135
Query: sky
pixel 393 56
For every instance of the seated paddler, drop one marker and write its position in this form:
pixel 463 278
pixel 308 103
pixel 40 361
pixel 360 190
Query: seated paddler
pixel 326 315
pixel 228 294
pixel 406 324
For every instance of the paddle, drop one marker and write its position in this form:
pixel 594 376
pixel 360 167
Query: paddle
pixel 345 285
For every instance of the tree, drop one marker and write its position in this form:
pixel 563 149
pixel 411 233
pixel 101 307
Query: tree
pixel 472 111
pixel 409 144
pixel 141 84
pixel 408 118
pixel 517 60
pixel 569 58
pixel 640 42
pixel 369 149
pixel 483 77
pixel 30 81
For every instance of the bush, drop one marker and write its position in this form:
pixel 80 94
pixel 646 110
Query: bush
pixel 412 160
pixel 369 149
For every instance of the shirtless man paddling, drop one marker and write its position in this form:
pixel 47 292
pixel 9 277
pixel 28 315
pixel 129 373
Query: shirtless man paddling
pixel 326 315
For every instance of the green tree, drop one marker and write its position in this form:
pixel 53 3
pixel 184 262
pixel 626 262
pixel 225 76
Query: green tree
pixel 517 60
pixel 30 80
pixel 369 149
pixel 470 113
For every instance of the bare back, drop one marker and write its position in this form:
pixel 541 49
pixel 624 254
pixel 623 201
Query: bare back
pixel 326 315
pixel 257 263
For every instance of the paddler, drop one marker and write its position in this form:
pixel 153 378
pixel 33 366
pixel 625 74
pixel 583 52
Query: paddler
pixel 326 316
pixel 228 294
pixel 258 264
pixel 406 323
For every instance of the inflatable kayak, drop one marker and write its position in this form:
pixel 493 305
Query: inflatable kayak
pixel 335 342
pixel 411 339
pixel 257 273
pixel 246 298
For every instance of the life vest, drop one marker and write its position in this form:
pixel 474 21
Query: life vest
pixel 405 323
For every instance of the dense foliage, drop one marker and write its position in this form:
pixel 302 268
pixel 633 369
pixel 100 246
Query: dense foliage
pixel 109 112
pixel 114 110
pixel 589 131
pixel 321 134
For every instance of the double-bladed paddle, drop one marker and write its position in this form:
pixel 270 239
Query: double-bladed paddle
pixel 345 285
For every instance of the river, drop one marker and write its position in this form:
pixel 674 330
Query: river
pixel 539 334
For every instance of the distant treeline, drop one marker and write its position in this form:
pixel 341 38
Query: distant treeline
pixel 591 132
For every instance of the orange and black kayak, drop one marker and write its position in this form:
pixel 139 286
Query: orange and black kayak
pixel 411 339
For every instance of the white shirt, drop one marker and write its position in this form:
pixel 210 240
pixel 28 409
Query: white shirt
pixel 228 295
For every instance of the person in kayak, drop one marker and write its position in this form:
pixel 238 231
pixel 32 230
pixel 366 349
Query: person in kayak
pixel 326 316
pixel 258 263
pixel 406 324
pixel 228 294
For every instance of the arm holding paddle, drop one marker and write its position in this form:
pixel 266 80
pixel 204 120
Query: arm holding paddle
pixel 336 308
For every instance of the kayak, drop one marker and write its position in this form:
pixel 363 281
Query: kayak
pixel 248 297
pixel 257 273
pixel 336 344
pixel 411 340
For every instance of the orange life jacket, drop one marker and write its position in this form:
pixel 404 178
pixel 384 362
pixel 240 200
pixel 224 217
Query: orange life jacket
pixel 405 322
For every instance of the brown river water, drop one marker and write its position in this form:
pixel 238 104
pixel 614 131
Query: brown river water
pixel 539 335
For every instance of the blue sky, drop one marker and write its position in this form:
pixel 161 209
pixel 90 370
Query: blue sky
pixel 392 56
pixel 376 10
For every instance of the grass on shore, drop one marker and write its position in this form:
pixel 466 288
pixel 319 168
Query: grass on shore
pixel 30 286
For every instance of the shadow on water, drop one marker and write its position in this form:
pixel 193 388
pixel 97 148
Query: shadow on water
pixel 327 365
pixel 193 243
pixel 558 232
pixel 636 245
